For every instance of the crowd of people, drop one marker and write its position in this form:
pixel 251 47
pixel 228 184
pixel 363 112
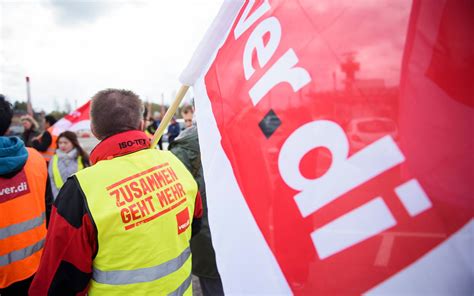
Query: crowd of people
pixel 62 234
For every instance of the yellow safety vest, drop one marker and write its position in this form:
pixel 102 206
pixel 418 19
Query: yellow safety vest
pixel 142 205
pixel 58 180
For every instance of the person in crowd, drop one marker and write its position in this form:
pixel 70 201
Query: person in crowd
pixel 121 226
pixel 186 148
pixel 69 159
pixel 150 130
pixel 25 205
pixel 173 130
pixel 46 142
pixel 30 130
pixel 188 116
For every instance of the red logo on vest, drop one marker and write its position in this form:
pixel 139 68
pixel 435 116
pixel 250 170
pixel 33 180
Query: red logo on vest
pixel 14 187
pixel 183 220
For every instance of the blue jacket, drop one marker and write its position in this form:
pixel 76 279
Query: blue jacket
pixel 173 131
pixel 13 155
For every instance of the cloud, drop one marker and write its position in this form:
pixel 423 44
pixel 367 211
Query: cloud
pixel 142 46
pixel 76 12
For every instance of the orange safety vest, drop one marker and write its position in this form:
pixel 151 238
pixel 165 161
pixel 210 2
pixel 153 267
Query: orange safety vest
pixel 22 220
pixel 48 154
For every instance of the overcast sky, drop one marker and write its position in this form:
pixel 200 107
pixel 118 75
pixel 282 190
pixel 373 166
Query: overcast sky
pixel 73 48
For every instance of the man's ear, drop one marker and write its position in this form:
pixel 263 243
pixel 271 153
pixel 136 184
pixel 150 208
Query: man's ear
pixel 142 125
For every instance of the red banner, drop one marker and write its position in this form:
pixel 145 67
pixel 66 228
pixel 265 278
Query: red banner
pixel 349 138
pixel 77 120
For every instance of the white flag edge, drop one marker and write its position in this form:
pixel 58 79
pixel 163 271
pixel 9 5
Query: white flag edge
pixel 66 125
pixel 244 260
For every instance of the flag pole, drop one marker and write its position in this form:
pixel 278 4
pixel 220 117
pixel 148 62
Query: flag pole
pixel 162 106
pixel 168 115
pixel 29 106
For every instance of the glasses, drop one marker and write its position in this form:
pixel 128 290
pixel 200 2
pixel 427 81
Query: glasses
pixel 188 120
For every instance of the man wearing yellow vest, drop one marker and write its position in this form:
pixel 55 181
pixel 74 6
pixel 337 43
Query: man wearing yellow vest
pixel 46 142
pixel 25 203
pixel 123 225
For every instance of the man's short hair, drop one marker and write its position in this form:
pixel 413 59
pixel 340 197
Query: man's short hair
pixel 186 109
pixel 114 111
pixel 50 119
pixel 6 115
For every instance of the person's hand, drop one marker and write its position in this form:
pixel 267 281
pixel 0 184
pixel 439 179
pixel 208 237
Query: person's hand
pixel 37 138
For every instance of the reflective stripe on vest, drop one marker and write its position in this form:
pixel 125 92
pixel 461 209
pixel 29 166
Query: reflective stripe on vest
pixel 142 205
pixel 182 288
pixel 22 227
pixel 124 277
pixel 21 254
pixel 58 180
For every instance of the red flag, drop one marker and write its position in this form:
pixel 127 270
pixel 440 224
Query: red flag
pixel 349 143
pixel 77 120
